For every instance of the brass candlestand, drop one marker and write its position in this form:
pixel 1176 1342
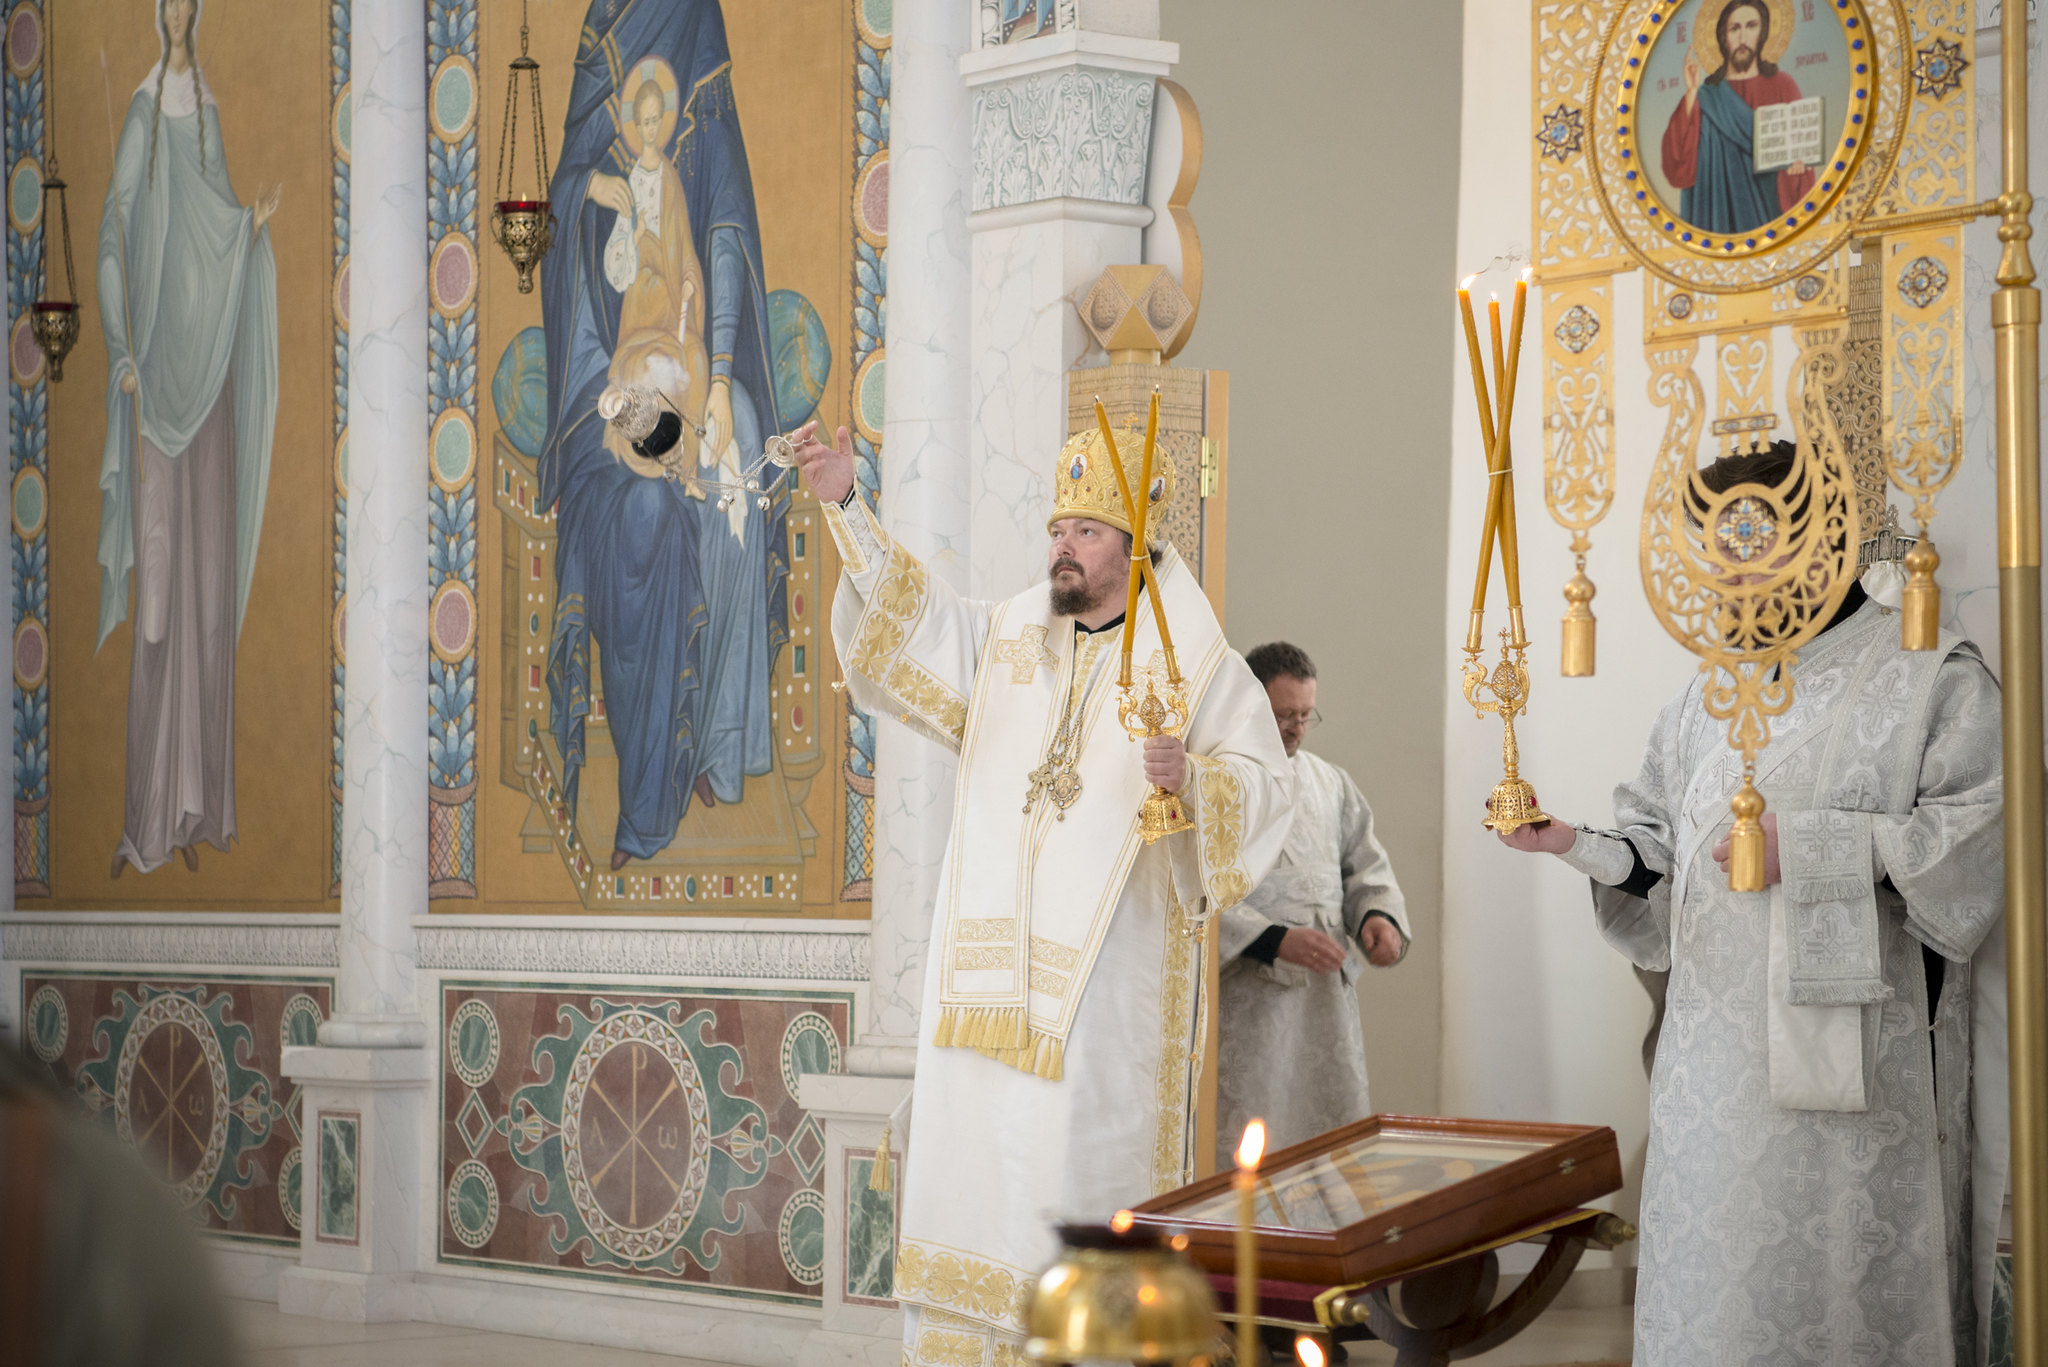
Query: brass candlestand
pixel 1513 804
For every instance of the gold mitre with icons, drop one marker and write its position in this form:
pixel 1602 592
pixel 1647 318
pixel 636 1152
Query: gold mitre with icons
pixel 1085 486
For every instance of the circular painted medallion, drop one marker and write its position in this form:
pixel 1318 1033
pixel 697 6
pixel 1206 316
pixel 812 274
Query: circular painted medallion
pixel 339 127
pixel 451 449
pixel 25 196
pixel 452 621
pixel 31 654
pixel 472 1203
pixel 871 202
pixel 867 396
pixel 451 275
pixel 341 293
pixel 171 1095
pixel 801 1234
pixel 473 1042
pixel 634 1095
pixel 299 1026
pixel 24 39
pixel 29 503
pixel 24 357
pixel 873 19
pixel 291 1188
pixel 451 102
pixel 49 1023
pixel 809 1045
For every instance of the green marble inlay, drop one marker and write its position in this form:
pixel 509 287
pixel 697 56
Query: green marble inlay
pixel 337 1177
pixel 870 1235
pixel 472 1202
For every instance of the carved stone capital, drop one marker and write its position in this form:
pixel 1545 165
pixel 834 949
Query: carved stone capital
pixel 1076 132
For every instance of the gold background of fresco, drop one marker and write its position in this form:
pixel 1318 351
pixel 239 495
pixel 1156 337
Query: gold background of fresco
pixel 268 66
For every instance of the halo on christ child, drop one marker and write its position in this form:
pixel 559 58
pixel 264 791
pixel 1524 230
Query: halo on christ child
pixel 663 77
pixel 1747 119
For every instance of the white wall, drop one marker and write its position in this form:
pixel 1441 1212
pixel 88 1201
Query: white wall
pixel 1542 1021
pixel 1320 302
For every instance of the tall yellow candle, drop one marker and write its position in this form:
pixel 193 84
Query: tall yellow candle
pixel 1249 1150
pixel 1141 554
pixel 1123 487
pixel 1481 395
pixel 1504 390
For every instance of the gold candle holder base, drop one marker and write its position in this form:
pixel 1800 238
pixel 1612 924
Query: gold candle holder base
pixel 1161 813
pixel 1920 603
pixel 1513 806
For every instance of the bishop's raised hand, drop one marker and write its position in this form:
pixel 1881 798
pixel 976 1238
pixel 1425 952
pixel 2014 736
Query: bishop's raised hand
pixel 827 469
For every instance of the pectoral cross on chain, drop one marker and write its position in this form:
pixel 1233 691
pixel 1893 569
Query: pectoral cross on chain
pixel 1025 654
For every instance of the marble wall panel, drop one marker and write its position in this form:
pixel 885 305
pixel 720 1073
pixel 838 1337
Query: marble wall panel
pixel 871 1218
pixel 187 1071
pixel 632 1135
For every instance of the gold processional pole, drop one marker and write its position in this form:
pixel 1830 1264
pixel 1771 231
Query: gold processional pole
pixel 1161 813
pixel 2016 323
pixel 1513 803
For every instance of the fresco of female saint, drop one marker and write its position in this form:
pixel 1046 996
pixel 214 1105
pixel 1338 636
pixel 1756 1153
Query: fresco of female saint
pixel 655 282
pixel 188 305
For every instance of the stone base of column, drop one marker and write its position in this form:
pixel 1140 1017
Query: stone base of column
pixel 862 1325
pixel 363 1118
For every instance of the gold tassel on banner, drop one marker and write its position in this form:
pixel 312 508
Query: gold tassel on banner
pixel 1920 604
pixel 1746 840
pixel 1577 636
pixel 880 1179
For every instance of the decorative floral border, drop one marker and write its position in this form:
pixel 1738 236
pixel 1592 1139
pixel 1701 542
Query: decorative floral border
pixel 28 417
pixel 871 73
pixel 452 510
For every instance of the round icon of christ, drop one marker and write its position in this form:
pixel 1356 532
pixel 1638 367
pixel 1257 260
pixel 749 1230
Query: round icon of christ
pixel 636 1135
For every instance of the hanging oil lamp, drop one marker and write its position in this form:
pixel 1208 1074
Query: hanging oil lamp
pixel 525 228
pixel 55 321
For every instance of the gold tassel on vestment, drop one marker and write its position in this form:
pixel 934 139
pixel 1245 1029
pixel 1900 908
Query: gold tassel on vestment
pixel 1746 840
pixel 1044 1056
pixel 879 1179
pixel 982 1028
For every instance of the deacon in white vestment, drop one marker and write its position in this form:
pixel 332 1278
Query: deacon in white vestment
pixel 1291 1047
pixel 1828 1115
pixel 1057 1068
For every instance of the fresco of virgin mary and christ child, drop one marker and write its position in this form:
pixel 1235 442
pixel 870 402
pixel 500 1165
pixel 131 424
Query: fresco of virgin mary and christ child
pixel 655 283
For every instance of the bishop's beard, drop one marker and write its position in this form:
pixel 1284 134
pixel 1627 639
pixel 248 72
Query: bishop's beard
pixel 1072 598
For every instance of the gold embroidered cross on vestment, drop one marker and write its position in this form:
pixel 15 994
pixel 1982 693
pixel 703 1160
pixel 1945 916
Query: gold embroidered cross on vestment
pixel 1025 654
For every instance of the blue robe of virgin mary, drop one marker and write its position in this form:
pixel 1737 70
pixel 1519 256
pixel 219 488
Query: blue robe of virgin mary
pixel 686 617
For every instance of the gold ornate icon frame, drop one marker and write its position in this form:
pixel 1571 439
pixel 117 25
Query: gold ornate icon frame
pixel 1851 186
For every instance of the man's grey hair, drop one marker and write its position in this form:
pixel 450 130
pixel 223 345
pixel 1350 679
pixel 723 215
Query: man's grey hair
pixel 1276 658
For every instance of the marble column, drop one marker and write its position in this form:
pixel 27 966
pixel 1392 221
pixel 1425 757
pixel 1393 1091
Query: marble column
pixel 1061 125
pixel 366 1186
pixel 384 796
pixel 924 484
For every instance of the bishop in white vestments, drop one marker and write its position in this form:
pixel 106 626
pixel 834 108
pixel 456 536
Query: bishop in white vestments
pixel 1057 1068
pixel 1828 1114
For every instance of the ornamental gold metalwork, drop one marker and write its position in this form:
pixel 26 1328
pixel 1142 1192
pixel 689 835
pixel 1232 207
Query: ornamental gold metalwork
pixel 1571 234
pixel 1922 301
pixel 1578 440
pixel 1746 576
